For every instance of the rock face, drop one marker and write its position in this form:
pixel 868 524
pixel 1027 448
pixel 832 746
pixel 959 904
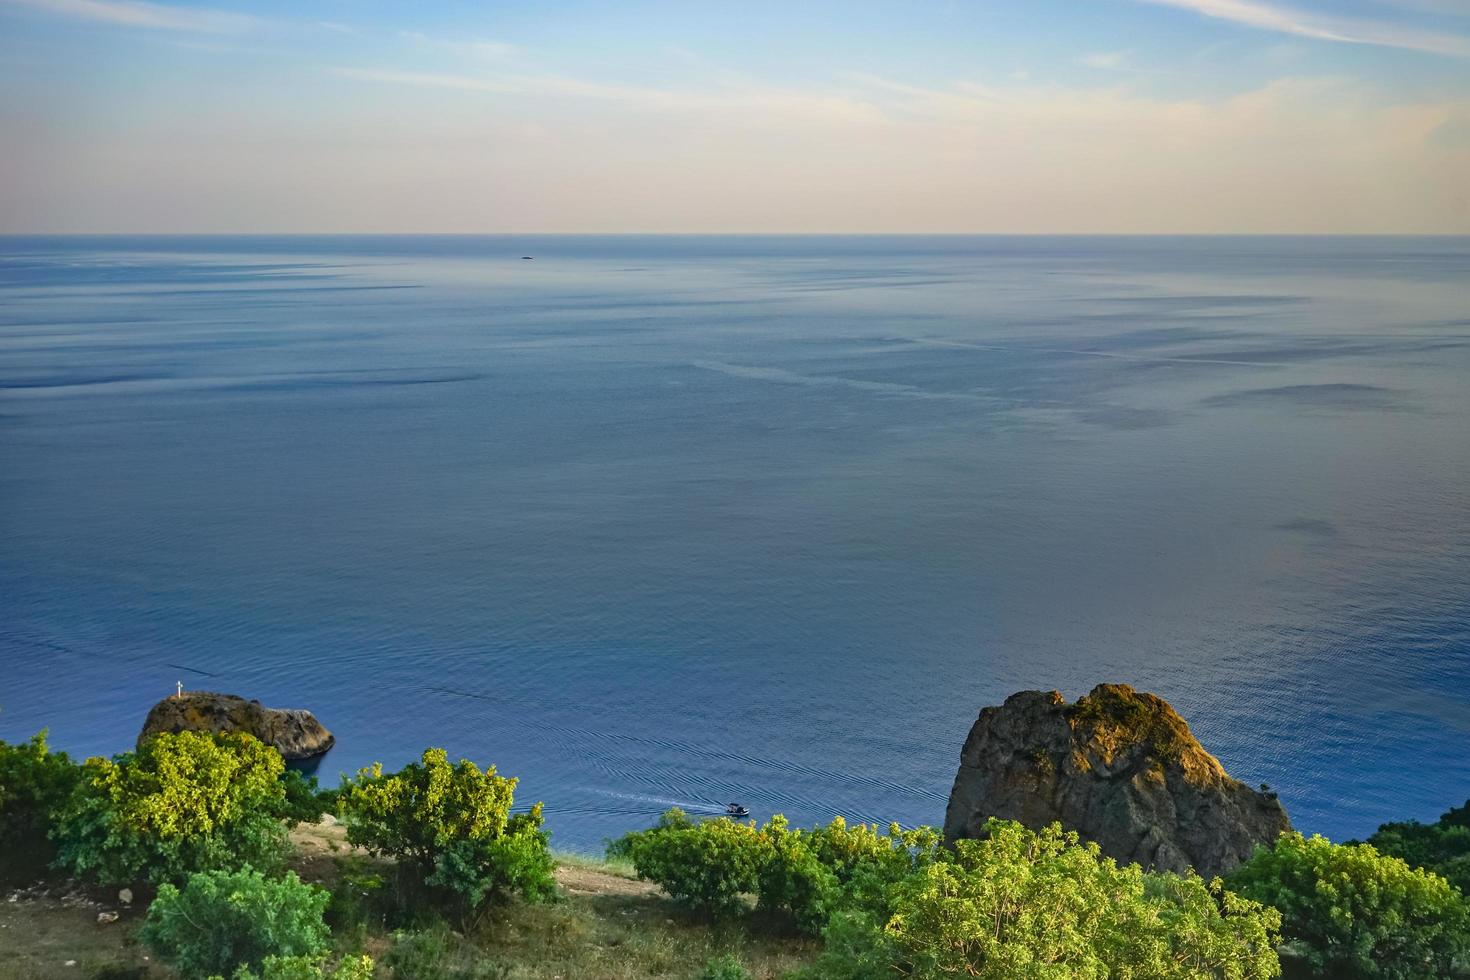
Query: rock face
pixel 1119 767
pixel 293 731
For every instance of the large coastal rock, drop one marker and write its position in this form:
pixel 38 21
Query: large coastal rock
pixel 1119 767
pixel 295 732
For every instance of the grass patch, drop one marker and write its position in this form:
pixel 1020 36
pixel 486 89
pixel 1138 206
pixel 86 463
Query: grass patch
pixel 617 868
pixel 606 924
pixel 620 937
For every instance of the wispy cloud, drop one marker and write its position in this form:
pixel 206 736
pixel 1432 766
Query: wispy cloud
pixel 1107 60
pixel 137 13
pixel 750 99
pixel 851 154
pixel 475 47
pixel 1460 7
pixel 432 79
pixel 1288 20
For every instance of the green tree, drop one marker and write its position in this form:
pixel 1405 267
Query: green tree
pixel 34 783
pixel 305 802
pixel 223 920
pixel 1357 913
pixel 451 832
pixel 1020 905
pixel 810 874
pixel 1442 847
pixel 793 879
pixel 706 866
pixel 182 803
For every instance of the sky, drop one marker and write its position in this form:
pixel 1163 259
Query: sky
pixel 990 116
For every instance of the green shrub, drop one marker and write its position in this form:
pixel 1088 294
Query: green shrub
pixel 707 866
pixel 222 920
pixel 360 903
pixel 450 830
pixel 809 874
pixel 1020 905
pixel 1357 913
pixel 727 967
pixel 793 880
pixel 1442 847
pixel 1458 816
pixel 309 968
pixel 710 866
pixel 303 801
pixel 181 804
pixel 34 783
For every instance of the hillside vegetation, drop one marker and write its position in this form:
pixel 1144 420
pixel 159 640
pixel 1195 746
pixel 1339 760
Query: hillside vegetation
pixel 216 861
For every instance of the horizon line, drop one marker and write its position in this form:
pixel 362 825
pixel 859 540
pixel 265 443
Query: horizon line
pixel 735 234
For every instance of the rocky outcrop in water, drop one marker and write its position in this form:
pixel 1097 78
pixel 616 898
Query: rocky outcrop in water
pixel 1119 767
pixel 294 732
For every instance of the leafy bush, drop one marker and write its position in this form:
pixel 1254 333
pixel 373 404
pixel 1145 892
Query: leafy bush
pixel 309 968
pixel 727 967
pixel 359 901
pixel 709 866
pixel 304 802
pixel 793 880
pixel 450 830
pixel 1442 847
pixel 706 866
pixel 34 783
pixel 226 919
pixel 811 874
pixel 1020 904
pixel 181 804
pixel 1358 913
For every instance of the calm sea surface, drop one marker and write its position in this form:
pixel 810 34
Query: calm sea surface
pixel 655 521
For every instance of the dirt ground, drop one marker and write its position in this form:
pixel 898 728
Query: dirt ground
pixel 609 926
pixel 56 932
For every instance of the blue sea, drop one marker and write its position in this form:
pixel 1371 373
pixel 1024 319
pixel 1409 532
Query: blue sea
pixel 677 521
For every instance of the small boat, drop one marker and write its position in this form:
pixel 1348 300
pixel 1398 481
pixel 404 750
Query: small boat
pixel 736 810
pixel 528 257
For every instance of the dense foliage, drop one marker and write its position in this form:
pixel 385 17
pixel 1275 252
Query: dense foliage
pixel 1357 913
pixel 707 866
pixel 1016 904
pixel 34 783
pixel 308 968
pixel 180 804
pixel 1020 905
pixel 209 813
pixel 223 920
pixel 305 802
pixel 451 832
pixel 813 873
pixel 1442 847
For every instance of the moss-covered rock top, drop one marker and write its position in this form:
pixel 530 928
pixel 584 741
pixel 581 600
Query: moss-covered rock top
pixel 1120 767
